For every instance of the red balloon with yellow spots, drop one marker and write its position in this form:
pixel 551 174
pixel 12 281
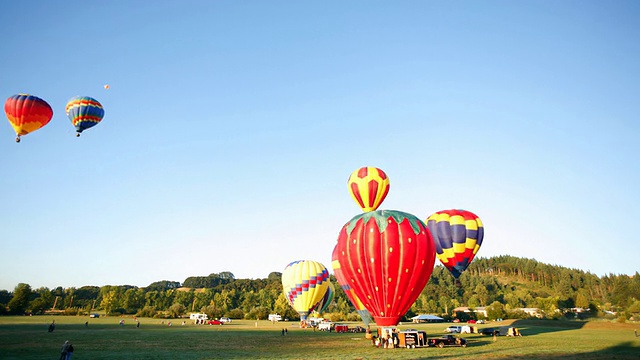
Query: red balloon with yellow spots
pixel 386 257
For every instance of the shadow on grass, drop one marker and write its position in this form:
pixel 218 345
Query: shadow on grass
pixel 535 327
pixel 623 351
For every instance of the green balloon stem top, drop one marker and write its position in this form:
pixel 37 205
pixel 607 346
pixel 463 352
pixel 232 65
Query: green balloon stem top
pixel 381 217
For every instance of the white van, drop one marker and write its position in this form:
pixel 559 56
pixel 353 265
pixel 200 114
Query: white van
pixel 275 317
pixel 325 326
pixel 198 316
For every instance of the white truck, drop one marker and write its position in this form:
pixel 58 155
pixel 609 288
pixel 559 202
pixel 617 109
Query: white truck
pixel 326 326
pixel 198 317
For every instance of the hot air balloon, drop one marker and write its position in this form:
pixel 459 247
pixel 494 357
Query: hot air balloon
pixel 386 257
pixel 305 283
pixel 326 300
pixel 360 309
pixel 457 235
pixel 84 112
pixel 368 187
pixel 27 113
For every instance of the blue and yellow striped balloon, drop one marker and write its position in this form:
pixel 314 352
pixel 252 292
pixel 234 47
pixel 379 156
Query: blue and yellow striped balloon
pixel 457 235
pixel 84 112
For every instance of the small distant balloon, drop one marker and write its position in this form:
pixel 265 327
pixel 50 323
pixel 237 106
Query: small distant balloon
pixel 106 86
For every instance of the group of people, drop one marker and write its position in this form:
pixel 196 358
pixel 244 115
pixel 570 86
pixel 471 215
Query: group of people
pixel 284 331
pixel 67 351
pixel 387 342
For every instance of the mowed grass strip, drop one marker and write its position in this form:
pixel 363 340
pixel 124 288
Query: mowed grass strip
pixel 104 338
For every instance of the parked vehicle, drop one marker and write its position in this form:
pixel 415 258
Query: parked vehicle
pixel 412 339
pixel 448 340
pixel 453 329
pixel 326 326
pixel 275 317
pixel 489 331
pixel 342 328
pixel 358 329
pixel 198 316
pixel 214 322
pixel 225 320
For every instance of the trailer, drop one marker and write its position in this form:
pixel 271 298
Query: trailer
pixel 412 339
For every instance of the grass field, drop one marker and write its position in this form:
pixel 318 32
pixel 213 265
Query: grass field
pixel 104 338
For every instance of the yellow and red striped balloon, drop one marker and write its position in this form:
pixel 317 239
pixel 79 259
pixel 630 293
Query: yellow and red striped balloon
pixel 27 113
pixel 368 187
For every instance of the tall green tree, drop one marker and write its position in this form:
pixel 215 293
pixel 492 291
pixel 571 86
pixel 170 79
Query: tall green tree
pixel 20 301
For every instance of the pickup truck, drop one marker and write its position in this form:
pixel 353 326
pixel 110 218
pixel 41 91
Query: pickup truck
pixel 448 340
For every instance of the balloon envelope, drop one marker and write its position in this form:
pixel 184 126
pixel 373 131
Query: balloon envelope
pixel 368 187
pixel 457 235
pixel 386 257
pixel 84 112
pixel 357 304
pixel 27 113
pixel 326 300
pixel 305 282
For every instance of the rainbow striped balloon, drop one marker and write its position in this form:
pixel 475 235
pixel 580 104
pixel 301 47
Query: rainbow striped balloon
pixel 84 112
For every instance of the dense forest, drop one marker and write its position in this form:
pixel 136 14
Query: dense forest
pixel 504 285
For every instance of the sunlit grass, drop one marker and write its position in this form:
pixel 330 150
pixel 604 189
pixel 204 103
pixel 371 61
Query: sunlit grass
pixel 104 338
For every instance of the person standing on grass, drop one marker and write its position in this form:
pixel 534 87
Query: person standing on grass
pixel 69 351
pixel 64 353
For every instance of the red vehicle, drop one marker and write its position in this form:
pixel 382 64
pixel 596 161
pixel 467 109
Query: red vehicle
pixel 342 328
pixel 471 321
pixel 214 322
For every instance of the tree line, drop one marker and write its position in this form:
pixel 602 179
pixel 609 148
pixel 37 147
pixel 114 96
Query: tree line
pixel 504 285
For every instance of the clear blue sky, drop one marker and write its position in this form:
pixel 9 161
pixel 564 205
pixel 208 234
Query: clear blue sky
pixel 231 128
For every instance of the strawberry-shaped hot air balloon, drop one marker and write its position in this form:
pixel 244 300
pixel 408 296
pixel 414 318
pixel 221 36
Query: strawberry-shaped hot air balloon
pixel 305 283
pixel 27 113
pixel 458 235
pixel 360 309
pixel 368 187
pixel 84 112
pixel 386 257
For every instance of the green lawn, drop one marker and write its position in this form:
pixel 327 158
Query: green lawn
pixel 104 338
